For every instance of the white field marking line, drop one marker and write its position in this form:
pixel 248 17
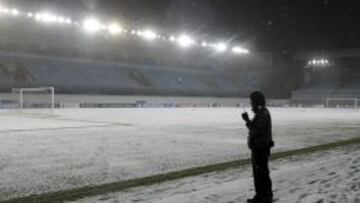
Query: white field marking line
pixel 58 128
pixel 58 118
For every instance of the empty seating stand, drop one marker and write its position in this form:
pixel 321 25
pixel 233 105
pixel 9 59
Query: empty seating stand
pixel 81 76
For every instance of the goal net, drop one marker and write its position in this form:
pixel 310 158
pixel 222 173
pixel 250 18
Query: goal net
pixel 35 98
pixel 342 103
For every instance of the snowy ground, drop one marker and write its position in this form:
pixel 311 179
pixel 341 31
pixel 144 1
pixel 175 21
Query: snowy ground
pixel 332 176
pixel 77 147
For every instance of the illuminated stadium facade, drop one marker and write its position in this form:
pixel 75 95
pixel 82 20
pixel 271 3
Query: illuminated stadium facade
pixel 331 78
pixel 91 57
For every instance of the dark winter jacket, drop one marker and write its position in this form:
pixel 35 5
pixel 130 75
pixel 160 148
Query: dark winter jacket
pixel 260 132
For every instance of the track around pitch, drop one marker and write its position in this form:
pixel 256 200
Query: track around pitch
pixel 88 191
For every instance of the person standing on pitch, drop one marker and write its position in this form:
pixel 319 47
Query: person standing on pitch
pixel 260 143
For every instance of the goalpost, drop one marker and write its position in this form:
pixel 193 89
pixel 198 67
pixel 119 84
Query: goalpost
pixel 342 103
pixel 38 97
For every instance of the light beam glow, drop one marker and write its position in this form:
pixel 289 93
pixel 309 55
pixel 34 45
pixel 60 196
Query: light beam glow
pixel 220 47
pixel 185 41
pixel 15 12
pixel 240 50
pixel 148 35
pixel 91 25
pixel 114 29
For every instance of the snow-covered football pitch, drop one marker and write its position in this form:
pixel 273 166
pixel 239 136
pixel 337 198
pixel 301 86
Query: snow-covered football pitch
pixel 70 148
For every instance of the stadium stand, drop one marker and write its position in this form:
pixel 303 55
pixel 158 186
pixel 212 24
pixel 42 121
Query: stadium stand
pixel 338 80
pixel 69 75
pixel 38 54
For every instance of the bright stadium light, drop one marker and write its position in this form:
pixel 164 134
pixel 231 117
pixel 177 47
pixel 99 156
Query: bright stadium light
pixel 114 29
pixel 61 19
pixel 319 62
pixel 220 47
pixel 185 41
pixel 172 38
pixel 5 10
pixel 46 17
pixel 91 25
pixel 14 12
pixel 68 21
pixel 148 35
pixel 30 15
pixel 240 50
pixel 37 16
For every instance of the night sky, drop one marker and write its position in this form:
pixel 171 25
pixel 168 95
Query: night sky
pixel 277 25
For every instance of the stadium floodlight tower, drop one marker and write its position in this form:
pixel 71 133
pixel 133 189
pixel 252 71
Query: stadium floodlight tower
pixel 36 92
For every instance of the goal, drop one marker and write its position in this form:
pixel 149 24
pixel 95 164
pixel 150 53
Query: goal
pixel 342 103
pixel 38 97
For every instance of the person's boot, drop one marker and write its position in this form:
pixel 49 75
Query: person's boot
pixel 255 199
pixel 266 200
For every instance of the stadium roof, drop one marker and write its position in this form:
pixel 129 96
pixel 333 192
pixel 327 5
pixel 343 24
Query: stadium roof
pixel 93 25
pixel 280 25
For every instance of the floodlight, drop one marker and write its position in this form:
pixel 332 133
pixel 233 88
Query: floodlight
pixel 30 15
pixel 114 29
pixel 204 44
pixel 185 41
pixel 220 47
pixel 5 10
pixel 240 50
pixel 91 25
pixel 172 38
pixel 38 16
pixel 68 21
pixel 149 35
pixel 46 17
pixel 14 12
pixel 61 20
pixel 319 62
